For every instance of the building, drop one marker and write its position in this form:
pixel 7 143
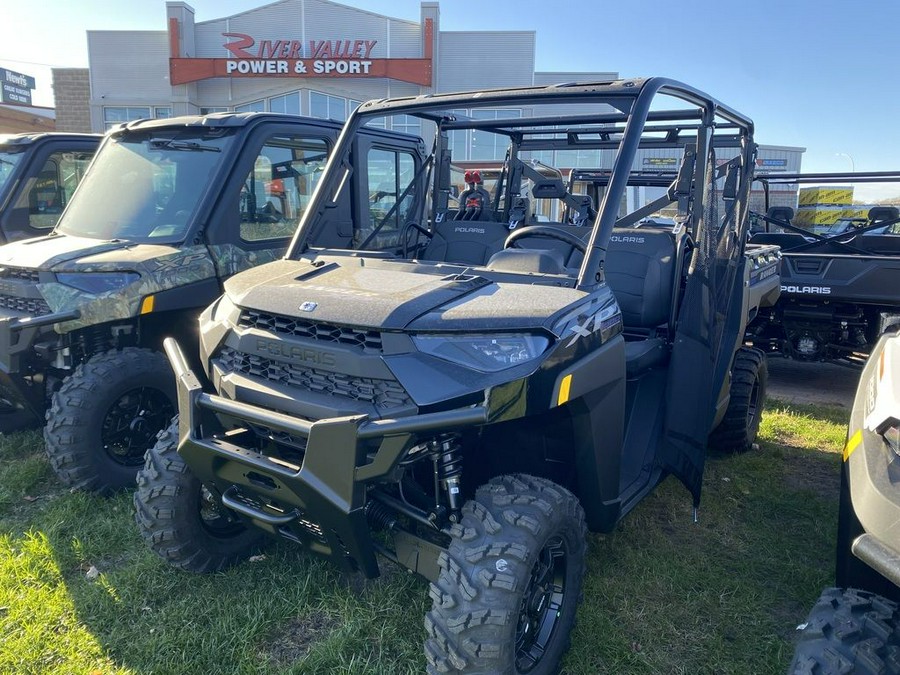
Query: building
pixel 316 58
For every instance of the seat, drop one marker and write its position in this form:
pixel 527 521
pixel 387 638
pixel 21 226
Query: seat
pixel 467 242
pixel 641 268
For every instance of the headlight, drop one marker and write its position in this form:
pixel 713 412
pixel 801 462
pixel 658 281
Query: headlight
pixel 97 282
pixel 488 353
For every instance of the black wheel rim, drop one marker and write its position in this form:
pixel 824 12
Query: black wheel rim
pixel 132 423
pixel 215 518
pixel 542 605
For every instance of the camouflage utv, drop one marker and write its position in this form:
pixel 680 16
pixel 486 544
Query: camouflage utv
pixel 168 210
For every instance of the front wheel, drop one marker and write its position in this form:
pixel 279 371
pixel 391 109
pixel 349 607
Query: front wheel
pixel 510 582
pixel 106 416
pixel 182 521
pixel 738 429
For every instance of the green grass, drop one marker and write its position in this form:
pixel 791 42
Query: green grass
pixel 662 594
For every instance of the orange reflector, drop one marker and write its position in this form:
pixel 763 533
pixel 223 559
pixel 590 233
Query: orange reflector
pixel 564 387
pixel 147 305
pixel 852 444
pixel 881 364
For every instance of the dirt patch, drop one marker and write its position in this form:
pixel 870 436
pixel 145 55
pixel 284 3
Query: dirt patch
pixel 812 383
pixel 294 640
pixel 816 473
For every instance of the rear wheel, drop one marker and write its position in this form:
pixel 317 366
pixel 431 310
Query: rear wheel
pixel 849 632
pixel 510 582
pixel 182 521
pixel 106 415
pixel 738 429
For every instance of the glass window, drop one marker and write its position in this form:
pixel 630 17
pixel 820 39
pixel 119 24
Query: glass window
pixel 288 103
pixel 327 107
pixel 254 106
pixel 146 185
pixel 52 188
pixel 213 109
pixel 162 112
pixel 118 114
pixel 279 186
pixel 406 124
pixel 389 174
pixel 487 146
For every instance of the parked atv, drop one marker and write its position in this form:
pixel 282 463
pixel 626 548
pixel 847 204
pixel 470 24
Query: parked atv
pixel 468 398
pixel 839 290
pixel 854 628
pixel 168 210
pixel 38 174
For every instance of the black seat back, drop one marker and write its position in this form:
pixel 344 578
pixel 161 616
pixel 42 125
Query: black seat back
pixel 468 242
pixel 641 266
pixel 785 214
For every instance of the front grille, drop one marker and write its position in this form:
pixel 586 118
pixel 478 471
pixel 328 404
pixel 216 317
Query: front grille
pixel 23 273
pixel 381 393
pixel 32 306
pixel 368 340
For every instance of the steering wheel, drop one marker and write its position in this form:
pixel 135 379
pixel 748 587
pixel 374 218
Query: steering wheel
pixel 545 231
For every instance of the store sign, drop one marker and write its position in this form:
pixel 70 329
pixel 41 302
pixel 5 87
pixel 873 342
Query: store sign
pixel 15 87
pixel 660 162
pixel 770 165
pixel 286 57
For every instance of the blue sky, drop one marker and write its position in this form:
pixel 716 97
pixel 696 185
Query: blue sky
pixel 816 74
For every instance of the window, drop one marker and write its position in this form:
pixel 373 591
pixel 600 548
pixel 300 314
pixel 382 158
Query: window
pixel 288 103
pixel 279 186
pixel 254 106
pixel 147 184
pixel 389 174
pixel 327 107
pixel 481 145
pixel 213 109
pixel 406 124
pixel 113 115
pixel 52 188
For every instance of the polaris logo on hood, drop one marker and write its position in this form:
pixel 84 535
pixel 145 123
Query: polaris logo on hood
pixel 809 290
pixel 464 230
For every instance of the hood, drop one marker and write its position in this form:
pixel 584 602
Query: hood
pixel 43 253
pixel 377 294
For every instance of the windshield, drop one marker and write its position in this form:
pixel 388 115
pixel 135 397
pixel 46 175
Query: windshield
pixel 8 162
pixel 146 187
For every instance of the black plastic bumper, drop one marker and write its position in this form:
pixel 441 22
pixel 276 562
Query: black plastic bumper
pixel 320 504
pixel 22 402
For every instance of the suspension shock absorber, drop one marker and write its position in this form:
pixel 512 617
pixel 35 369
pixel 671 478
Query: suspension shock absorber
pixel 448 471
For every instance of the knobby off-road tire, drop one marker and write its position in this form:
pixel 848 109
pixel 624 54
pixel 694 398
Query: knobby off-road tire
pixel 849 632
pixel 106 416
pixel 180 520
pixel 738 429
pixel 510 581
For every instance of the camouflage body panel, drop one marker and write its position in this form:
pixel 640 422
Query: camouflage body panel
pixel 161 268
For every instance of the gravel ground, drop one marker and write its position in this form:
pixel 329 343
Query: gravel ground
pixel 804 382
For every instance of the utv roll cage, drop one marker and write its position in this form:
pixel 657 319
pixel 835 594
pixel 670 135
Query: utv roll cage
pixel 634 123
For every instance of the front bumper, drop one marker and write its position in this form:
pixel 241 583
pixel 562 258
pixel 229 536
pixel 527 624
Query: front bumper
pixel 319 503
pixel 22 399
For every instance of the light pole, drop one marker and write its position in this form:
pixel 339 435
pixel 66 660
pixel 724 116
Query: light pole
pixel 850 157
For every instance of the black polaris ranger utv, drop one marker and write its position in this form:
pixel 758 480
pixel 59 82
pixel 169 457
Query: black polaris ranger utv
pixel 467 397
pixel 840 290
pixel 168 210
pixel 38 174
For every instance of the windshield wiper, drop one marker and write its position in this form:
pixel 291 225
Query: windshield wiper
pixel 172 144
